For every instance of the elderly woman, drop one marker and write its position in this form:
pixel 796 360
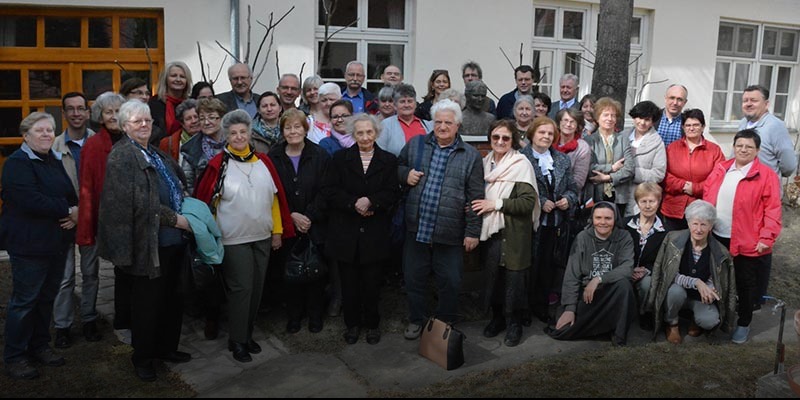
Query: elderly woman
pixel 557 195
pixel 186 112
pixel 523 116
pixel 747 196
pixel 613 165
pixel 301 165
pixel 587 108
pixel 94 156
pixel 36 228
pixel 693 271
pixel 140 231
pixel 438 83
pixel 507 211
pixel 203 147
pixel 310 96
pixel 341 110
pixel 243 190
pixel 689 162
pixel 397 130
pixel 174 86
pixel 647 233
pixel 597 296
pixel 648 149
pixel 360 189
pixel 541 104
pixel 266 129
pixel 386 107
pixel 570 128
pixel 321 122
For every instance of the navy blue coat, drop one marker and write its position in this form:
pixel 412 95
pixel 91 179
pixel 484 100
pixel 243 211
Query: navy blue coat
pixel 36 194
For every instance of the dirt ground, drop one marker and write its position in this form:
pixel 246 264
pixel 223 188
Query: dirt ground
pixel 654 370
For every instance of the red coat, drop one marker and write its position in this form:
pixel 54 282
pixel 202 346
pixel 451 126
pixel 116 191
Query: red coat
pixel 683 167
pixel 172 144
pixel 757 207
pixel 94 156
pixel 205 189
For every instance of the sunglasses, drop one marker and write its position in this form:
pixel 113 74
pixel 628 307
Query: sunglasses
pixel 498 138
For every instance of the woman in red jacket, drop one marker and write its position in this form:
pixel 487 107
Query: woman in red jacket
pixel 689 161
pixel 747 195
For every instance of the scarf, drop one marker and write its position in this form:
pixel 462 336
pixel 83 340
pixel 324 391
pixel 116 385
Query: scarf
pixel 210 146
pixel 570 146
pixel 512 168
pixel 344 140
pixel 172 124
pixel 175 192
pixel 545 161
pixel 248 155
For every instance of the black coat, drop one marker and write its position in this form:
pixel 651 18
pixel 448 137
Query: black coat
pixel 303 188
pixel 644 257
pixel 351 235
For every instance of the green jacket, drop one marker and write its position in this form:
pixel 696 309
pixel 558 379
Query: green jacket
pixel 515 252
pixel 666 269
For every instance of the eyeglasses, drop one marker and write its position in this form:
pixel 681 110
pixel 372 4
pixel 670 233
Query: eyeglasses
pixel 498 138
pixel 209 118
pixel 141 122
pixel 140 93
pixel 74 110
pixel 343 116
pixel 292 88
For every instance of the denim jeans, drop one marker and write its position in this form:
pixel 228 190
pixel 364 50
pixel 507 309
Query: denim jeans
pixel 447 264
pixel 63 310
pixel 35 285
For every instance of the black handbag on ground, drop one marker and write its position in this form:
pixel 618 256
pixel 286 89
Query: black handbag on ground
pixel 305 264
pixel 442 344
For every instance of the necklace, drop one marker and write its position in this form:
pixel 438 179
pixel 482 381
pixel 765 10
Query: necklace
pixel 247 174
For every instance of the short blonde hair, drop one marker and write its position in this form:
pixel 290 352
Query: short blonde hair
pixel 645 188
pixel 32 119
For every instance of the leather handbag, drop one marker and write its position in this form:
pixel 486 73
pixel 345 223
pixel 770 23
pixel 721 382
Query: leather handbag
pixel 442 344
pixel 305 264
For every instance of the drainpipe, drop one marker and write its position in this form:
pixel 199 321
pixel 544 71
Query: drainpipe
pixel 235 29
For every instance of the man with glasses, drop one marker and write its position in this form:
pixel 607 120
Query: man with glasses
pixel 69 144
pixel 288 91
pixel 361 98
pixel 669 126
pixel 241 97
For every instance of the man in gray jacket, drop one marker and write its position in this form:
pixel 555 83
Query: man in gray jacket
pixel 443 175
pixel 777 150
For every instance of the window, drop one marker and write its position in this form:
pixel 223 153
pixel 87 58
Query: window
pixel 379 37
pixel 750 54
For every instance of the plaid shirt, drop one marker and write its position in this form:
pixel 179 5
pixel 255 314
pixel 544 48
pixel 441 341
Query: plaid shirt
pixel 429 201
pixel 670 132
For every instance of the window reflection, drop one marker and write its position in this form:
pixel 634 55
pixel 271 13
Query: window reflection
pixel 44 84
pixel 62 32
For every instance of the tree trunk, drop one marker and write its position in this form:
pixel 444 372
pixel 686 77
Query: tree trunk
pixel 613 49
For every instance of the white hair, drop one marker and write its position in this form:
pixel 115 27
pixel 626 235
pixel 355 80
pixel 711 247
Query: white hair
pixel 447 105
pixel 330 88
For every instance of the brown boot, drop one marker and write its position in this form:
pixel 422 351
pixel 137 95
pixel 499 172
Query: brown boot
pixel 674 334
pixel 694 330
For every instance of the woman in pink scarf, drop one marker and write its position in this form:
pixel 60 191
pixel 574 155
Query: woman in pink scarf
pixel 509 210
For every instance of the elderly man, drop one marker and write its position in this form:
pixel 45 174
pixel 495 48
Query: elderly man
pixel 398 129
pixel 288 91
pixel 568 89
pixel 526 77
pixel 442 174
pixel 471 71
pixel 669 126
pixel 241 97
pixel 361 98
pixel 392 75
pixel 69 145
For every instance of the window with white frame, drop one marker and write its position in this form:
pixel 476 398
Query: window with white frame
pixel 748 54
pixel 373 32
pixel 561 41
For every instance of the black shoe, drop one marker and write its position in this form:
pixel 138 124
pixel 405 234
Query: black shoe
pixel 240 352
pixel 177 357
pixel 253 347
pixel 63 339
pixel 90 332
pixel 315 326
pixel 757 307
pixel 46 356
pixel 527 318
pixel 351 335
pixel 293 326
pixel 145 373
pixel 513 335
pixel 373 336
pixel 21 370
pixel 496 325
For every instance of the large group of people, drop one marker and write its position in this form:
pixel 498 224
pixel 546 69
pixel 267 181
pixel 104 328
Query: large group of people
pixel 580 223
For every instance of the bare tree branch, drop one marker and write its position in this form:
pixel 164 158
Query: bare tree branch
pixel 249 29
pixel 302 67
pixel 578 61
pixel 270 29
pixel 635 59
pixel 219 71
pixel 507 59
pixel 587 50
pixel 493 94
pixel 641 89
pixel 277 65
pixel 520 53
pixel 149 62
pixel 264 64
pixel 343 28
pixel 226 50
pixel 202 68
pixel 119 64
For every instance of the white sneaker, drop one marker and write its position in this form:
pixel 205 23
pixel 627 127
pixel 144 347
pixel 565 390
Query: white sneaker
pixel 412 331
pixel 740 334
pixel 123 335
